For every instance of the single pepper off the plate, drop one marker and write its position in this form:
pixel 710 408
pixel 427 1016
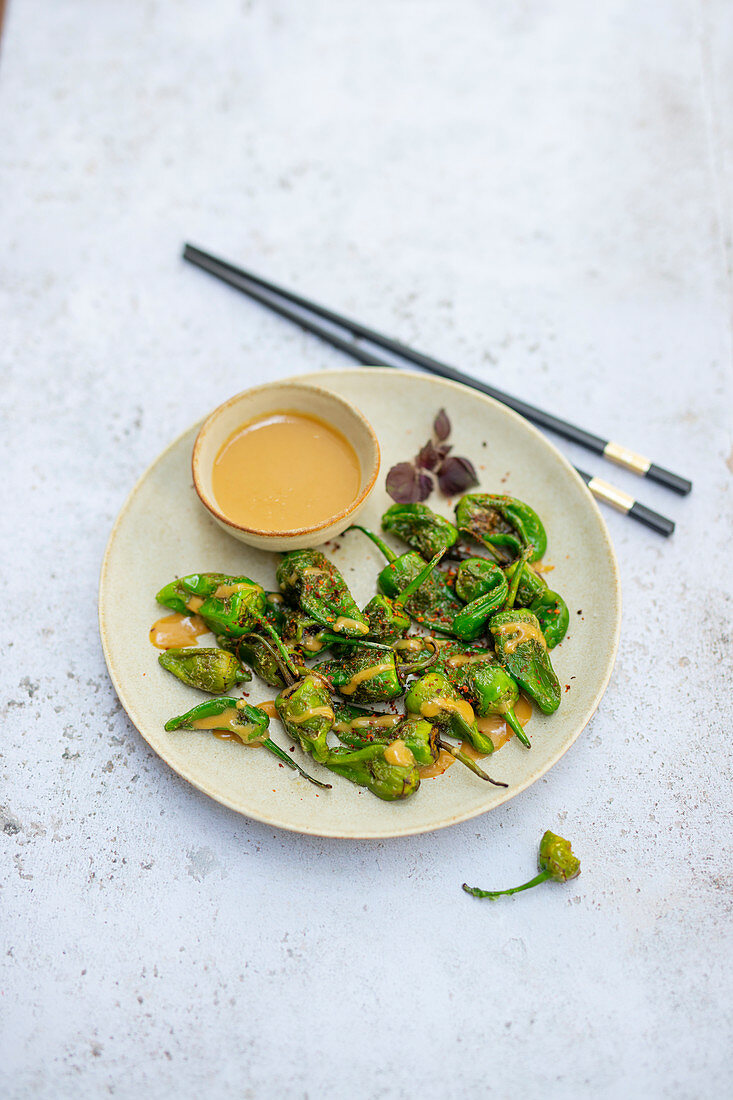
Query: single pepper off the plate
pixel 312 583
pixel 555 862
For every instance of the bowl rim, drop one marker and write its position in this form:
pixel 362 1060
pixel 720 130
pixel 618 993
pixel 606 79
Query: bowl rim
pixel 295 531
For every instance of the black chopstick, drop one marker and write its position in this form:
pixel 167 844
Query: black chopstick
pixel 602 490
pixel 624 502
pixel 614 452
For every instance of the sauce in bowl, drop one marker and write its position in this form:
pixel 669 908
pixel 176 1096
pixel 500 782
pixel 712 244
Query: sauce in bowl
pixel 284 471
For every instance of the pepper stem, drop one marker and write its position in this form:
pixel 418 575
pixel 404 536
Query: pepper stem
pixel 513 722
pixel 338 639
pixel 389 554
pixel 285 656
pixel 475 892
pixel 421 665
pixel 513 588
pixel 270 745
pixel 459 754
pixel 419 580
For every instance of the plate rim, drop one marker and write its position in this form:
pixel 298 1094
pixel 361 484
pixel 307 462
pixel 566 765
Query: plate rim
pixel 454 819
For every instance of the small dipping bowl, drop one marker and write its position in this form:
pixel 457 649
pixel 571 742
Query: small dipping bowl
pixel 281 397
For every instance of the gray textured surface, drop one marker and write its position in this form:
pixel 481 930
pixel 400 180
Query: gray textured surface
pixel 540 192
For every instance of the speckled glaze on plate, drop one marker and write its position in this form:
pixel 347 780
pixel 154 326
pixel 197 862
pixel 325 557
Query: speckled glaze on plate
pixel 163 531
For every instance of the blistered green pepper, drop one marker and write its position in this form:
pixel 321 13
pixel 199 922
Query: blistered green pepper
pixel 476 577
pixel 387 617
pixel 414 653
pixel 483 584
pixel 358 728
pixel 263 657
pixel 503 524
pixel 521 648
pixel 488 687
pixel 303 632
pixel 228 605
pixel 354 725
pixel 363 675
pixel 305 710
pixel 420 527
pixel 210 670
pixel 313 583
pixel 434 697
pixel 233 715
pixel 388 620
pixel 250 724
pixel 549 607
pixel 433 603
pixel 370 767
pixel 555 862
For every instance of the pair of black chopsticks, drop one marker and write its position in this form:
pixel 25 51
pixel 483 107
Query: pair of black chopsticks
pixel 275 298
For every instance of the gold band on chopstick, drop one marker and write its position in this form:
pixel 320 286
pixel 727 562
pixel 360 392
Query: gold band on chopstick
pixel 611 495
pixel 622 456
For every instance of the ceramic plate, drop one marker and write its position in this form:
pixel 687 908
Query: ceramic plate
pixel 164 532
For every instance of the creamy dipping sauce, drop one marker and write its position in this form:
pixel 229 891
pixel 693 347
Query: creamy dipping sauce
pixel 177 631
pixel 285 471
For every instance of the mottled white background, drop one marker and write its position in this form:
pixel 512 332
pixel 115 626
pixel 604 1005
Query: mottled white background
pixel 539 192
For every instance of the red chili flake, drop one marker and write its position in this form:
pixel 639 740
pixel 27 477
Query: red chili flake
pixel 567 687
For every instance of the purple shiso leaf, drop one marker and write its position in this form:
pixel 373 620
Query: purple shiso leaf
pixel 408 485
pixel 429 457
pixel 441 425
pixel 456 475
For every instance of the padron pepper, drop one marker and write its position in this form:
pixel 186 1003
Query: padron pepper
pixel 262 656
pixel 549 606
pixel 503 524
pixel 483 585
pixel 230 606
pixel 300 630
pixel 388 772
pixel 488 687
pixel 476 577
pixel 358 728
pixel 434 697
pixel 420 527
pixel 210 670
pixel 305 709
pixel 433 604
pixel 363 675
pixel 555 862
pixel 387 617
pixel 521 648
pixel 250 724
pixel 311 582
pixel 388 620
